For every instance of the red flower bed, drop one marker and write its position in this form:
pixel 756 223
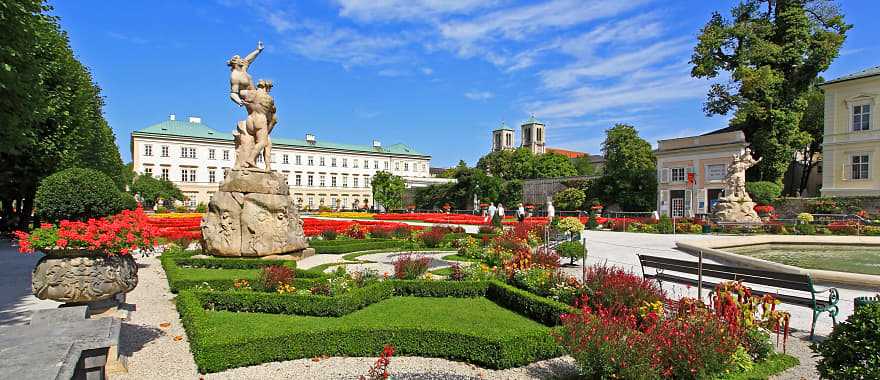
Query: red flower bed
pixel 178 228
pixel 314 227
pixel 114 235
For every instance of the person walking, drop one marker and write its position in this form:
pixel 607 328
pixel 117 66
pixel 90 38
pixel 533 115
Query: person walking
pixel 520 213
pixel 490 216
pixel 500 214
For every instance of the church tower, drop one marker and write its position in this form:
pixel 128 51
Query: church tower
pixel 533 135
pixel 502 138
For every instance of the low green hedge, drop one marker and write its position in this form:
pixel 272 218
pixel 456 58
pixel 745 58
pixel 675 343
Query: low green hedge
pixel 214 350
pixel 296 304
pixel 459 289
pixel 535 307
pixel 327 243
pixel 216 273
pixel 357 245
pixel 232 263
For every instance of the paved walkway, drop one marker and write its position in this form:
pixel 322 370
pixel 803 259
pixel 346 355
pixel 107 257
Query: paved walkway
pixel 16 298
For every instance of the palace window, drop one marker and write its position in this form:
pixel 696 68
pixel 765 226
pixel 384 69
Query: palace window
pixel 406 166
pixel 861 120
pixel 333 181
pixel 148 171
pixel 323 182
pixel 386 165
pixel 715 172
pixel 366 181
pixel 321 161
pixel 211 154
pixel 259 158
pixel 226 155
pixel 187 175
pixel 860 166
pixel 376 165
pixel 165 174
pixel 164 150
pixel 366 164
pixel 212 176
pixel 344 162
pixel 311 161
pixel 298 180
pixel 148 150
pixel 355 163
pixel 298 160
pixel 333 162
pixel 187 152
pixel 344 180
pixel 397 166
pixel 355 182
pixel 272 158
pixel 311 180
pixel 285 160
pixel 678 175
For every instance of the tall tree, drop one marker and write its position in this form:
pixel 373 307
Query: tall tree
pixel 630 175
pixel 388 190
pixel 50 109
pixel 773 50
pixel 813 124
pixel 552 165
pixel 583 165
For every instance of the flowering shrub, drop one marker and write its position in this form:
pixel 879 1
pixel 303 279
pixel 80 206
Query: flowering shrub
pixel 433 237
pixel 380 232
pixel 573 250
pixel 379 370
pixel 616 342
pixel 734 303
pixel 487 229
pixel 545 258
pixel 274 276
pixel 356 231
pixel 470 248
pixel 764 209
pixel 456 272
pixel 571 225
pixel 536 280
pixel 113 235
pixel 314 227
pixel 609 286
pixel 805 218
pixel 402 231
pixel 409 267
pixel 844 227
pixel 502 249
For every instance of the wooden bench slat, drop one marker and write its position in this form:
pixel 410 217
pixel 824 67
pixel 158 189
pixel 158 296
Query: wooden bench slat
pixel 802 285
pixel 791 277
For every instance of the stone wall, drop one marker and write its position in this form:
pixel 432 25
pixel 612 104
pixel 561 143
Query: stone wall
pixel 536 191
pixel 790 207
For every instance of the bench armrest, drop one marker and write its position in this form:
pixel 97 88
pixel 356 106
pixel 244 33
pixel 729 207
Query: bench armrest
pixel 833 295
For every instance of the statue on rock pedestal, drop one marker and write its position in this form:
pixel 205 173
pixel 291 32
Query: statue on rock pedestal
pixel 252 214
pixel 737 205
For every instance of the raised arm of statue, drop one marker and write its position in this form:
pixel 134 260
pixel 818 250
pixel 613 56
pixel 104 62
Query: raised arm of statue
pixel 233 94
pixel 253 55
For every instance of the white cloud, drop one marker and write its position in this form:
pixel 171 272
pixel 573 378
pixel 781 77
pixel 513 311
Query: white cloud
pixel 346 46
pixel 427 71
pixel 406 10
pixel 617 65
pixel 479 95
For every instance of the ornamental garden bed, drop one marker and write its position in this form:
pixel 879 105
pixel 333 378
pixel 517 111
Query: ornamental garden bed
pixel 490 317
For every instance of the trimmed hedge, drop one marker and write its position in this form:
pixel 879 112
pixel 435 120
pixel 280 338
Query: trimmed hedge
pixel 180 277
pixel 214 352
pixel 321 243
pixel 296 304
pixel 458 289
pixel 535 307
pixel 356 246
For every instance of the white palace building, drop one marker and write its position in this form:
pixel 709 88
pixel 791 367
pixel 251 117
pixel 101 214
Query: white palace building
pixel 319 173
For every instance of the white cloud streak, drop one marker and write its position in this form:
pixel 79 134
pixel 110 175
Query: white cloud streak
pixel 479 95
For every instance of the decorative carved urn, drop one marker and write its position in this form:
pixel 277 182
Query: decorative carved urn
pixel 76 276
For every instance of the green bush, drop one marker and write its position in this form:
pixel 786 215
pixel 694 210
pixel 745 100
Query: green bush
pixel 763 192
pixel 573 250
pixel 458 289
pixel 357 245
pixel 665 226
pixel 569 199
pixel 78 194
pixel 805 229
pixel 535 307
pixel 852 351
pixel 202 207
pixel 329 234
pixel 295 304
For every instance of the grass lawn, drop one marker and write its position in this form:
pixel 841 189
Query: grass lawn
pixel 442 271
pixel 843 258
pixel 473 316
pixel 774 364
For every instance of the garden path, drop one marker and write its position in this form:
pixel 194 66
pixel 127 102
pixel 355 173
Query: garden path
pixel 16 298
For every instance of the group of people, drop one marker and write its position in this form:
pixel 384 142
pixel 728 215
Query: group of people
pixel 495 214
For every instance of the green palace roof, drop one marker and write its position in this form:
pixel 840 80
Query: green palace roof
pixel 857 75
pixel 181 128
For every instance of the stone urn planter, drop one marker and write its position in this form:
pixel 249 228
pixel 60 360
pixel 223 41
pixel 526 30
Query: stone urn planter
pixel 81 276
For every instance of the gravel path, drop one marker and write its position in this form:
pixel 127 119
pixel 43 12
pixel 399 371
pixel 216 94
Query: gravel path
pixel 153 338
pixel 799 347
pixel 400 368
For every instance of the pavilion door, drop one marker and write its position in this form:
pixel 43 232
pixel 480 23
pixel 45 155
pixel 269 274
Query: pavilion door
pixel 678 203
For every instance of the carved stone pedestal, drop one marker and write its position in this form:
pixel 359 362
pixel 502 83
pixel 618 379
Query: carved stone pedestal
pixel 736 210
pixel 252 215
pixel 80 277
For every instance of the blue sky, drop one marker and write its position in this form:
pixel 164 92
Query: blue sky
pixel 438 75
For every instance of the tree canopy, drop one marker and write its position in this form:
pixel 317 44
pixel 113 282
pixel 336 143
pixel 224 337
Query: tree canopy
pixel 151 189
pixel 522 164
pixel 51 114
pixel 629 178
pixel 388 190
pixel 773 51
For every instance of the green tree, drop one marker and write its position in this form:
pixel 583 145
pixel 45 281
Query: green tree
pixel 151 189
pixel 51 110
pixel 388 190
pixel 813 124
pixel 773 51
pixel 569 199
pixel 79 194
pixel 509 164
pixel 552 165
pixel 630 175
pixel 583 165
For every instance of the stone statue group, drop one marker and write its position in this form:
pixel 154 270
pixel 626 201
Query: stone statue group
pixel 251 134
pixel 737 206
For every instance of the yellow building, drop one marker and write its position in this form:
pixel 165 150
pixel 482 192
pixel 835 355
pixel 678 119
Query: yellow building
pixel 851 145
